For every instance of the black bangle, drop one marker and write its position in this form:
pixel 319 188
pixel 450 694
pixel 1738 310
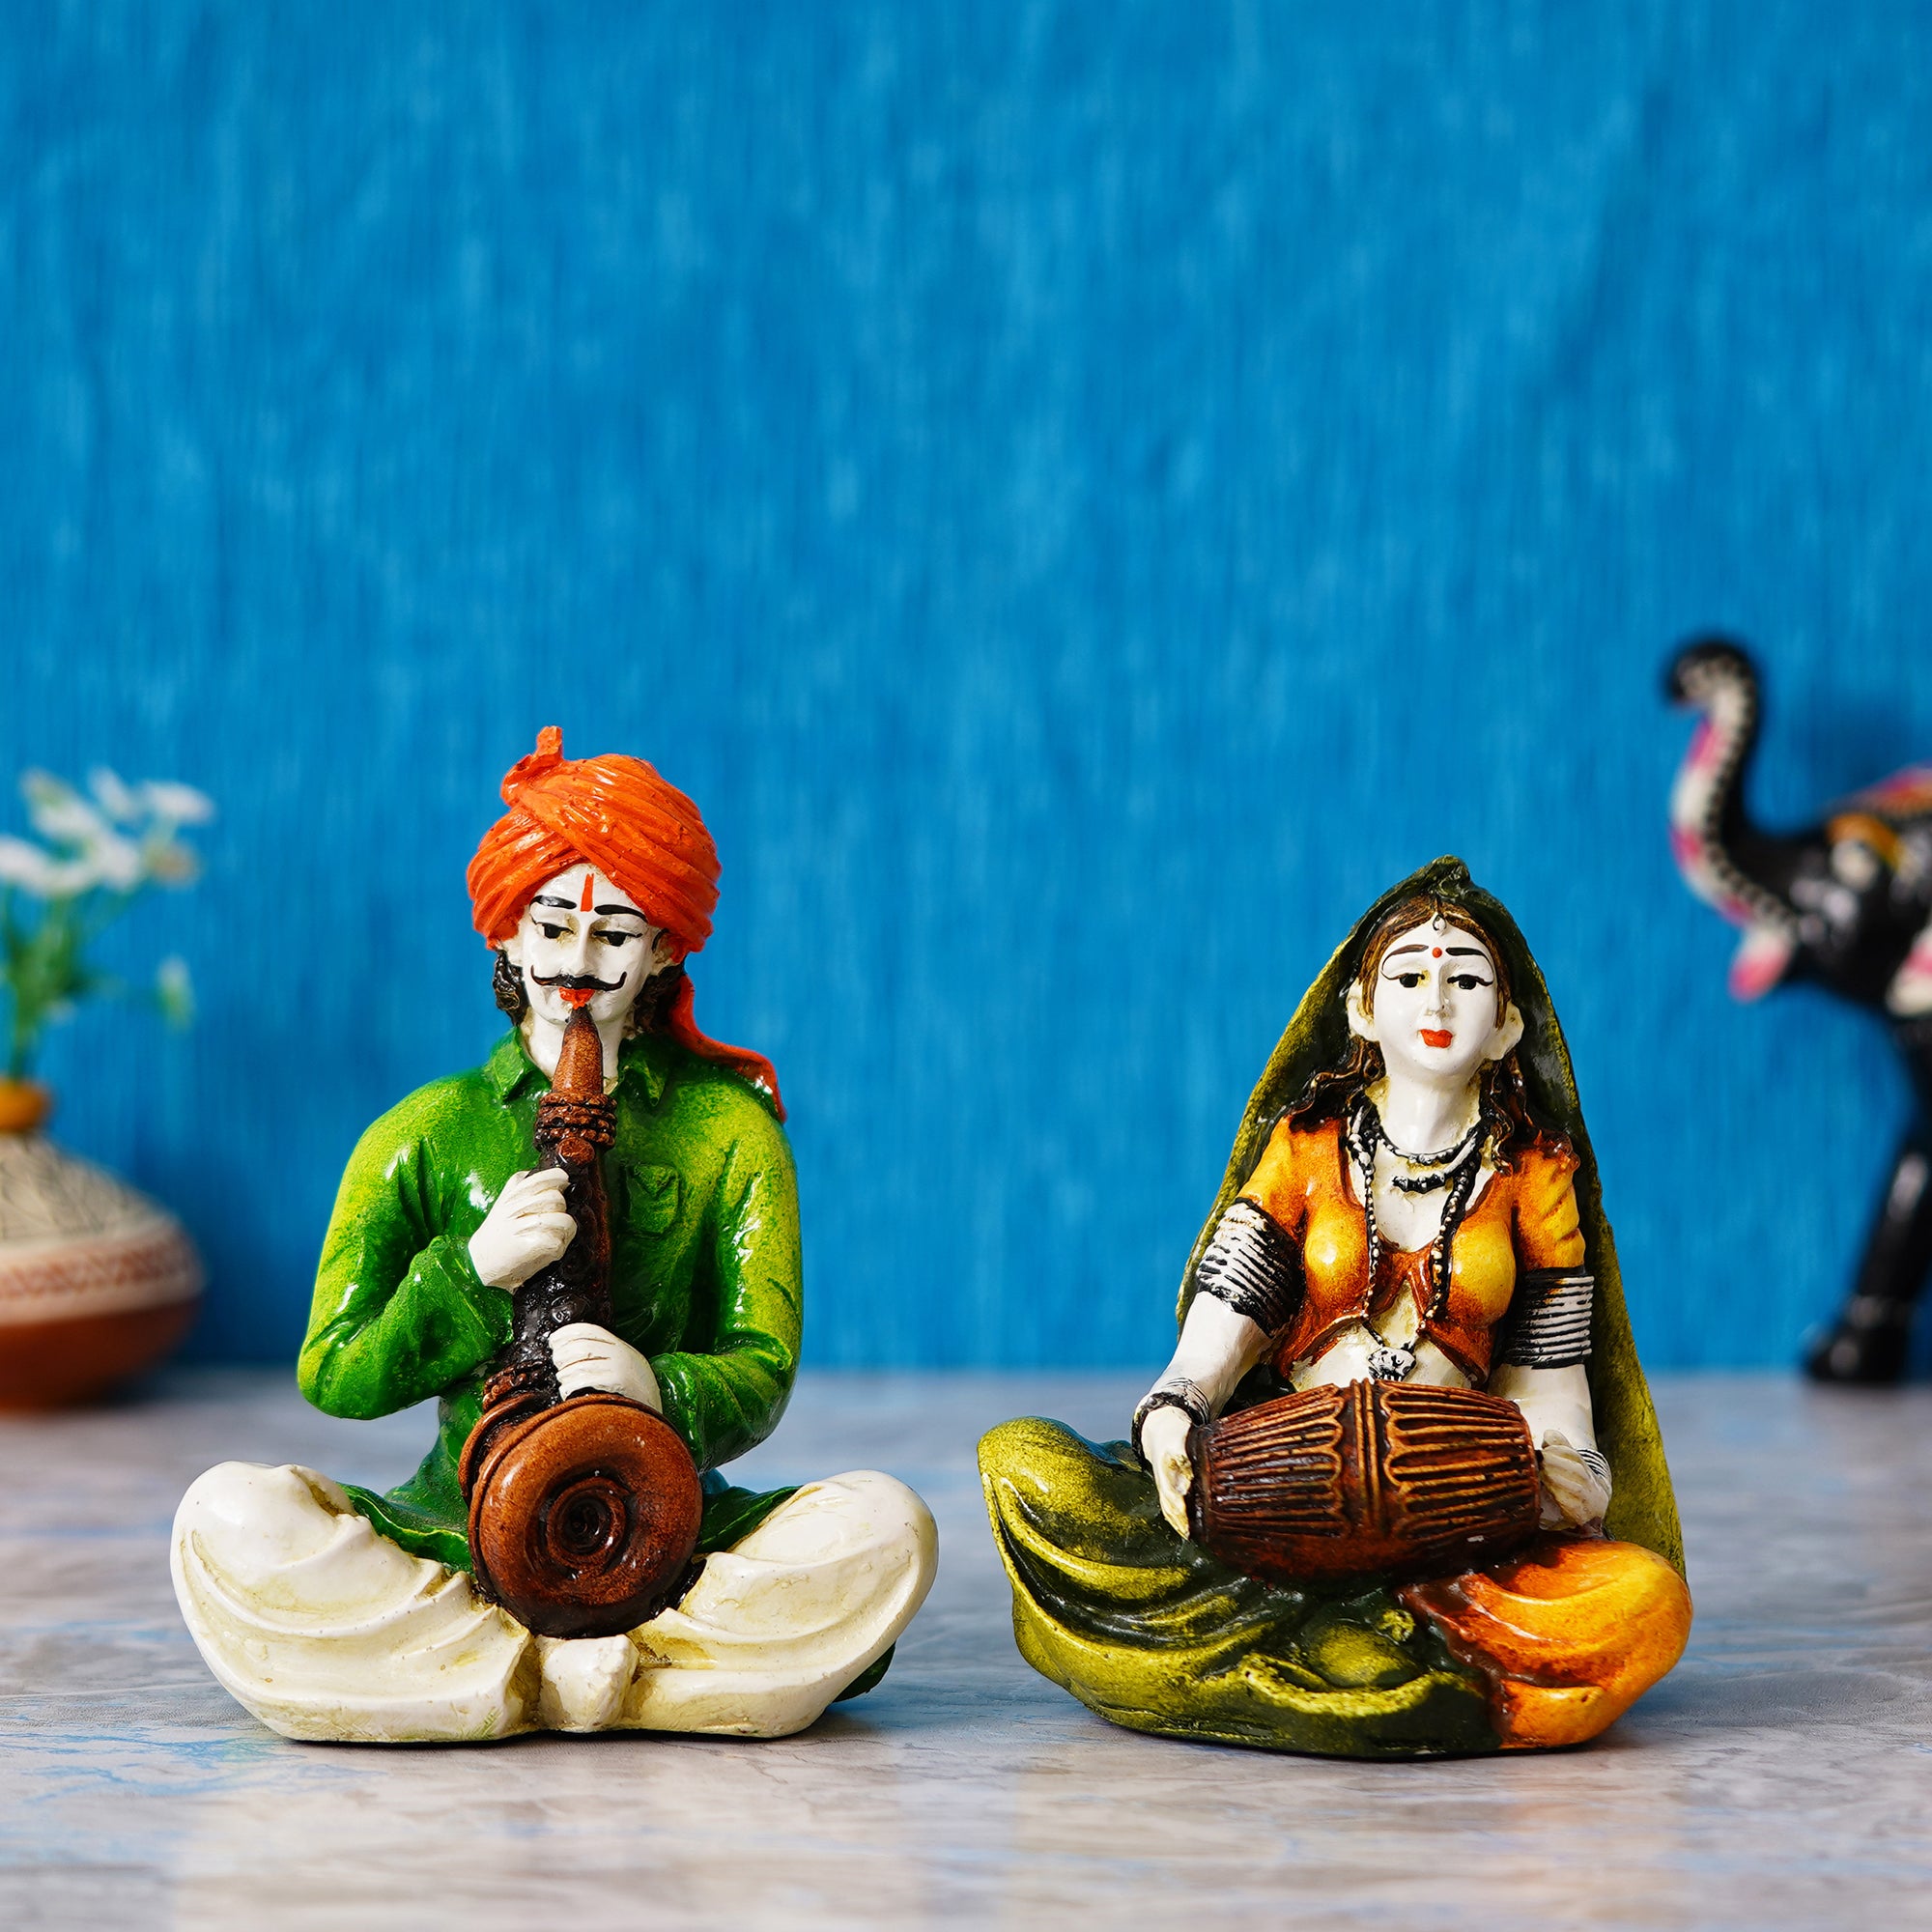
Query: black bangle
pixel 1254 1267
pixel 1548 1325
pixel 1180 1393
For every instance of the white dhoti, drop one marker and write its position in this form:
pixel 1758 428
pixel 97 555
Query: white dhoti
pixel 326 1630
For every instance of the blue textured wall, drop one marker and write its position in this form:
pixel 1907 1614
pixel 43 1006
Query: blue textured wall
pixel 1084 495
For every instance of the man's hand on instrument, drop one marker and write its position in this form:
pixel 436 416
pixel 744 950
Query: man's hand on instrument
pixel 1164 1443
pixel 1575 1483
pixel 589 1358
pixel 526 1228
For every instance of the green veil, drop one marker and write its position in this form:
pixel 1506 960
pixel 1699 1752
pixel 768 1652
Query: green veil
pixel 1154 1632
pixel 1643 1509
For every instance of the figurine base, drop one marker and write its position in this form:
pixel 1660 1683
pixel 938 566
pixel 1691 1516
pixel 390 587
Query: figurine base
pixel 1156 1634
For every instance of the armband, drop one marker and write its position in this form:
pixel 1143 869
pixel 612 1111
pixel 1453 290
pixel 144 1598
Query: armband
pixel 1252 1267
pixel 1550 1319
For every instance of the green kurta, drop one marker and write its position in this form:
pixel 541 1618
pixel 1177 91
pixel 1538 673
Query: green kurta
pixel 704 1270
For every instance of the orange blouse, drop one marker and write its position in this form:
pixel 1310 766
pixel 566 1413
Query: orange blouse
pixel 1306 1185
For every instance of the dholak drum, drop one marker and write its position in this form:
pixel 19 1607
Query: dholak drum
pixel 1377 1477
pixel 582 1517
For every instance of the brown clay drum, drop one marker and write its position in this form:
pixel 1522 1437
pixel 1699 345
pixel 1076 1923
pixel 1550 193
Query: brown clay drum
pixel 1374 1478
pixel 583 1516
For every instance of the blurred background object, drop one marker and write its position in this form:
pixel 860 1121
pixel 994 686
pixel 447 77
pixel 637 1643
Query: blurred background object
pixel 1844 903
pixel 1082 495
pixel 96 1281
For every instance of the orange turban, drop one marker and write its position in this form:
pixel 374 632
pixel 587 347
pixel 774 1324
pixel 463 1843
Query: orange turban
pixel 613 812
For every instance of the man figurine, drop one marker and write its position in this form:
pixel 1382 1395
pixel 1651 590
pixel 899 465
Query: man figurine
pixel 334 1613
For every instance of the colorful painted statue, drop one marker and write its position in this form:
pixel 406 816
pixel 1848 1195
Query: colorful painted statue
pixel 1400 1491
pixel 458 1264
pixel 1846 905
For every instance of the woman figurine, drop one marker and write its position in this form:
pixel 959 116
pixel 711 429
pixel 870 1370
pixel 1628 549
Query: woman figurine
pixel 1411 1210
pixel 331 1612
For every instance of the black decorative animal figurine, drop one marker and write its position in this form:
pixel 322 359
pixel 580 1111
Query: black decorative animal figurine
pixel 1846 904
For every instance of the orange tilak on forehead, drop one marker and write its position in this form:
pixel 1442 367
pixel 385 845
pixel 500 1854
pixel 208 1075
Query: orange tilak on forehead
pixel 583 904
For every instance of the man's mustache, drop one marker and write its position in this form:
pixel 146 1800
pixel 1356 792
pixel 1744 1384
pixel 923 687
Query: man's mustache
pixel 580 982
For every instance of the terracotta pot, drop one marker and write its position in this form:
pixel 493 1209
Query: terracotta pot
pixel 96 1282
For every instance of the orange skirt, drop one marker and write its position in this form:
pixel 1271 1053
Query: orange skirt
pixel 1569 1634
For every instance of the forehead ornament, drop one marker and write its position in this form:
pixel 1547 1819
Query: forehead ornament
pixel 583 904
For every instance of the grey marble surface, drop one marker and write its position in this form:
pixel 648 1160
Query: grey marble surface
pixel 1782 1777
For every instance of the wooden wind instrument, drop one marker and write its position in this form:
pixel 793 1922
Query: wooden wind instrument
pixel 583 1512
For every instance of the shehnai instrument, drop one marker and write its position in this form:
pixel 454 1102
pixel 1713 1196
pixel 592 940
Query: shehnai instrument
pixel 583 1512
pixel 1377 1477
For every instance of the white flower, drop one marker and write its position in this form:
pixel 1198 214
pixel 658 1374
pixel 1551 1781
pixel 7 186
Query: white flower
pixel 116 862
pixel 118 799
pixel 89 851
pixel 177 804
pixel 59 813
pixel 46 877
pixel 26 866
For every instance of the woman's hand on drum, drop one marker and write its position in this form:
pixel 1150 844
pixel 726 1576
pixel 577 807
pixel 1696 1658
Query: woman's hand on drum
pixel 1574 1492
pixel 526 1228
pixel 588 1358
pixel 1164 1443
